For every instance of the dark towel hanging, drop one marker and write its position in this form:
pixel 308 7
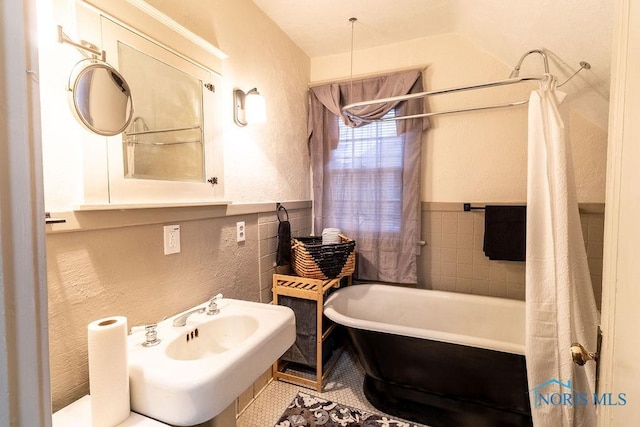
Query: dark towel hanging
pixel 505 232
pixel 283 252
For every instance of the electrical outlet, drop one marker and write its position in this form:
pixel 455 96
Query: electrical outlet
pixel 240 231
pixel 171 239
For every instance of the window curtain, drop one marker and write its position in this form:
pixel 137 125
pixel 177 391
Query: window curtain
pixel 384 253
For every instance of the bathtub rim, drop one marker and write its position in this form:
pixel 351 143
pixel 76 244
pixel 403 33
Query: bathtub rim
pixel 489 344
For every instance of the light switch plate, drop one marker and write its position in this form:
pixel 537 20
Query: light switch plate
pixel 171 239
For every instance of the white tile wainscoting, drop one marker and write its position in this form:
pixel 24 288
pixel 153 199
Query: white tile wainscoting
pixel 453 260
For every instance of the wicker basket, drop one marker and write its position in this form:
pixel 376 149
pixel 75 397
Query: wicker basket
pixel 311 259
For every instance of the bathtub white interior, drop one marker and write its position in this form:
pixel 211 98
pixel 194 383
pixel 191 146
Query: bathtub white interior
pixel 478 321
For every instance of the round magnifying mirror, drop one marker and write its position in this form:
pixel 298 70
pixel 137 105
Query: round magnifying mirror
pixel 100 97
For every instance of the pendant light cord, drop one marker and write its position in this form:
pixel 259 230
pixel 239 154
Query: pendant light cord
pixel 353 21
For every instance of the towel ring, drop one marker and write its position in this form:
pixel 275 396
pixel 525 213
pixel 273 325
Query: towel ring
pixel 282 208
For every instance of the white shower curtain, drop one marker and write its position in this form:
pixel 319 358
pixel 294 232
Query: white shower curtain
pixel 560 305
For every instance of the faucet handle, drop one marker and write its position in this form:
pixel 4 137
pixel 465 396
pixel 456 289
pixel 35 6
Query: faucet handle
pixel 151 334
pixel 213 305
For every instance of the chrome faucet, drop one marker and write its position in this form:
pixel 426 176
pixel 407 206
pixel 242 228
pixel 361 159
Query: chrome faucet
pixel 182 319
pixel 212 308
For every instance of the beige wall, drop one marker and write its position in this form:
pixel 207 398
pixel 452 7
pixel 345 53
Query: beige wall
pixel 112 263
pixel 95 272
pixel 123 271
pixel 479 156
pixel 266 162
pixel 262 163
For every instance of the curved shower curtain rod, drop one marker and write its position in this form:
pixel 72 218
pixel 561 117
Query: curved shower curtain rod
pixel 514 78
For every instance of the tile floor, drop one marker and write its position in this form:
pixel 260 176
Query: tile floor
pixel 344 385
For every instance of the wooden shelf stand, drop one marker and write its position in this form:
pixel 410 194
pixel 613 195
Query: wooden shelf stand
pixel 316 290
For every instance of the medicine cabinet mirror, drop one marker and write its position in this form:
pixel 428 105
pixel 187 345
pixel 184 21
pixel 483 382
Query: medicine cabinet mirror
pixel 171 151
pixel 164 139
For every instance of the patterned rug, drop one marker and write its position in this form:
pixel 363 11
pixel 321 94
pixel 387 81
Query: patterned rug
pixel 309 411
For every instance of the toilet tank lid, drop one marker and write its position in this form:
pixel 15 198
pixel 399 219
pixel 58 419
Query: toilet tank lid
pixel 78 414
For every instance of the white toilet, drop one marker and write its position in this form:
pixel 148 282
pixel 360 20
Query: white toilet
pixel 78 414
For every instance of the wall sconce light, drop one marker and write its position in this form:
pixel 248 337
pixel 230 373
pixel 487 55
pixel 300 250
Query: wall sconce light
pixel 248 107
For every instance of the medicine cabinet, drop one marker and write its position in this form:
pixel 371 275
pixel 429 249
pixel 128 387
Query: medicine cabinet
pixel 171 152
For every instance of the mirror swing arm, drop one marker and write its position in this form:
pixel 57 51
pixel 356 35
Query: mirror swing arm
pixel 82 46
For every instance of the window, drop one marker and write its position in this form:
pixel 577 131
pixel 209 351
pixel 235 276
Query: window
pixel 364 178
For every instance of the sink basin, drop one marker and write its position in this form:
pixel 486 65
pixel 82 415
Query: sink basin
pixel 216 336
pixel 199 369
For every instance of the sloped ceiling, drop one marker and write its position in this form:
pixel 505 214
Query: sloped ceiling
pixel 569 31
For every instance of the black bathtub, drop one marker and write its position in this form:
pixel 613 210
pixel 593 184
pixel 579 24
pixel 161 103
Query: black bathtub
pixel 438 358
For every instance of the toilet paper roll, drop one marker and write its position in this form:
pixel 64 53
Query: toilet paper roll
pixel 108 371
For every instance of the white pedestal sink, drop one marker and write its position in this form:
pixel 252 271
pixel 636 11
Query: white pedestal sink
pixel 198 369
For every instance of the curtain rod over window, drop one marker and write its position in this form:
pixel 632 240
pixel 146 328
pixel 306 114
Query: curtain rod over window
pixel 367 76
